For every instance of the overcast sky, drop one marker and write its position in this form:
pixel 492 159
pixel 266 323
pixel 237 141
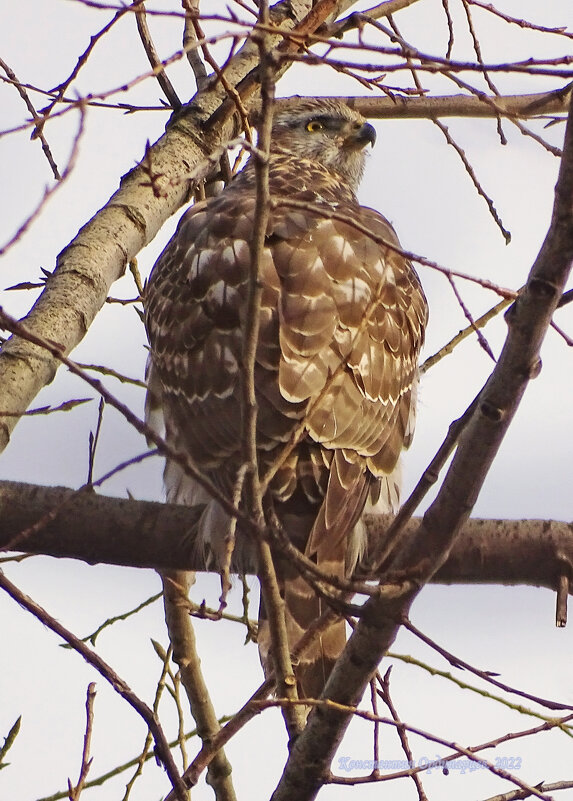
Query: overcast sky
pixel 418 182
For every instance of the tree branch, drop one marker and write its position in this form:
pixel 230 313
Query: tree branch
pixel 79 524
pixel 176 585
pixel 153 58
pixel 120 686
pixel 463 105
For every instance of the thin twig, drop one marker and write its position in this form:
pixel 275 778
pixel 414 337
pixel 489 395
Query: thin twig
pixel 9 740
pixel 477 51
pixel 190 38
pixel 449 347
pixel 58 92
pixel 470 171
pixel 468 315
pixel 93 441
pixel 270 590
pixel 545 787
pixel 111 774
pixel 450 24
pixel 470 753
pixel 449 139
pixel 463 685
pixel 118 684
pixel 103 370
pixel 153 57
pixel 117 618
pixel 519 125
pixel 487 676
pixel 148 738
pixel 75 792
pixel 233 94
pixel 521 22
pixel 35 116
pixel 65 406
pixel 49 191
pixel 384 683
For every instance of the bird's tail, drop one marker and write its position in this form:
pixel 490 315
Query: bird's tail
pixel 303 608
pixel 336 551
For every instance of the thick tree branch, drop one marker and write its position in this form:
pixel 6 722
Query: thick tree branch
pixel 434 538
pixel 61 522
pixel 463 105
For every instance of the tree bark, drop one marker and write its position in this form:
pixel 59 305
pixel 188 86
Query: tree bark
pixel 487 106
pixel 98 529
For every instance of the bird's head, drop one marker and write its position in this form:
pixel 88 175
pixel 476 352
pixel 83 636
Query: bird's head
pixel 327 132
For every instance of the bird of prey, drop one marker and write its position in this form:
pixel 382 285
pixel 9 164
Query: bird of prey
pixel 341 323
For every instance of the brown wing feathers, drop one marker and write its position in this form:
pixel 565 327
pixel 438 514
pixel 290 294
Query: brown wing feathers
pixel 341 324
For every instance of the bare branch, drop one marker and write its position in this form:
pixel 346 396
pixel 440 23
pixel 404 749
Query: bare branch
pixel 470 753
pixel 522 23
pixel 123 379
pixel 116 618
pixel 462 105
pixel 500 699
pixel 9 740
pixel 384 682
pixel 399 106
pixel 464 159
pixel 190 43
pixel 57 94
pixel 470 171
pixel 104 777
pixel 77 524
pixel 357 19
pixel 35 116
pixel 153 58
pixel 165 656
pixel 485 675
pixel 468 315
pixel 65 406
pixel 109 675
pixel 75 792
pixel 545 787
pixel 182 637
pixel 449 347
pixel 48 192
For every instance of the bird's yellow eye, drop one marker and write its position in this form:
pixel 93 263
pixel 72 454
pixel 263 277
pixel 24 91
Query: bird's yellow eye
pixel 314 125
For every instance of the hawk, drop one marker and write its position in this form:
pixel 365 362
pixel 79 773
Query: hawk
pixel 341 324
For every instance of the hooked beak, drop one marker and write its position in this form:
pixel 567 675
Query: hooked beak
pixel 366 134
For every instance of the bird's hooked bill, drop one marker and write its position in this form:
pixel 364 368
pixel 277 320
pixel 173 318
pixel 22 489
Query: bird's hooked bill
pixel 366 134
